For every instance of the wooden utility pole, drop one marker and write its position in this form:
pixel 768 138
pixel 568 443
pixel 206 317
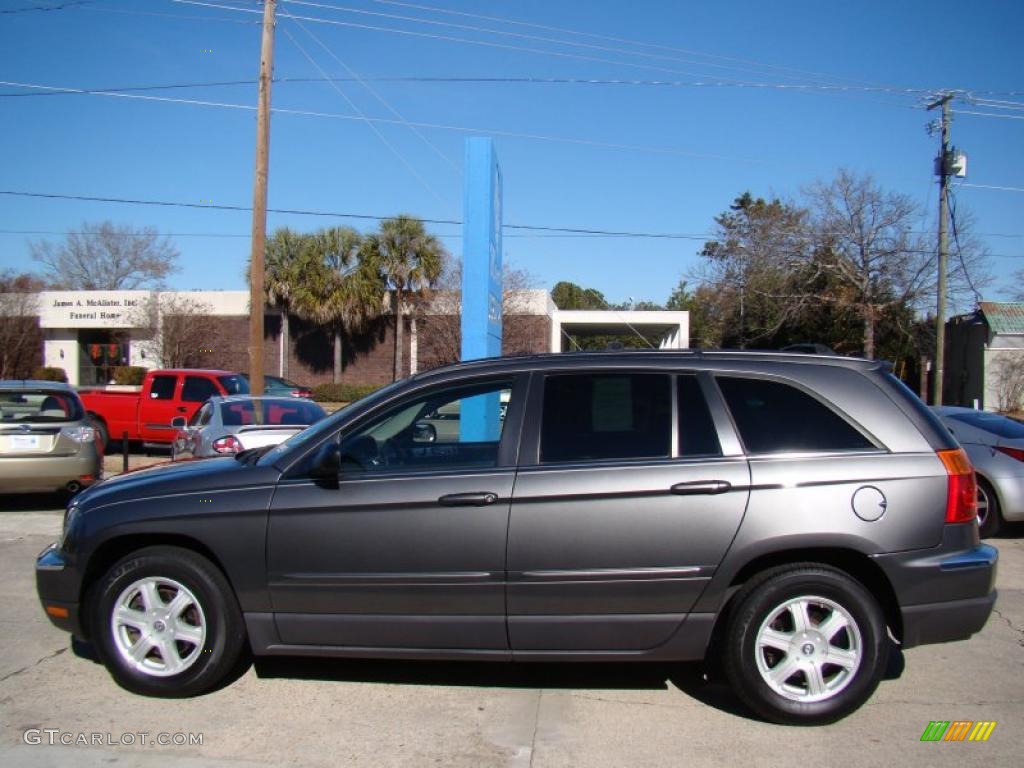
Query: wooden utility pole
pixel 259 202
pixel 943 169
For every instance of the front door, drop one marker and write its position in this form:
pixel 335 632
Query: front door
pixel 407 548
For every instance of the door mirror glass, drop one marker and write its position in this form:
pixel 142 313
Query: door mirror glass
pixel 424 432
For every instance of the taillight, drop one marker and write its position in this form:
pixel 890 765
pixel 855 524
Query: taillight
pixel 227 444
pixel 1013 453
pixel 962 488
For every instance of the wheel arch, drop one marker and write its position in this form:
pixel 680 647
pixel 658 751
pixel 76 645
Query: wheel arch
pixel 112 550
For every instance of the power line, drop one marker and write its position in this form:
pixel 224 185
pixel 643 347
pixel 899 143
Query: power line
pixel 438 126
pixel 532 228
pixel 991 186
pixel 987 114
pixel 60 7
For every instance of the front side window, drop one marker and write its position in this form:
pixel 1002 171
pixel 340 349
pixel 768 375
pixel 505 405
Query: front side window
pixel 604 416
pixel 162 388
pixel 198 389
pixel 778 418
pixel 453 429
pixel 201 417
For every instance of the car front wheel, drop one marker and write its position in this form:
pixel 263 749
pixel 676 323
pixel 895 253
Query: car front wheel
pixel 165 622
pixel 806 645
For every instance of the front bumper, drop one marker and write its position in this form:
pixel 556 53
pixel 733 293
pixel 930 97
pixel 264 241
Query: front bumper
pixel 945 593
pixel 58 586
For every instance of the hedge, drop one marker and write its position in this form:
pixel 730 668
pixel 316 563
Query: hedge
pixel 48 373
pixel 342 393
pixel 129 374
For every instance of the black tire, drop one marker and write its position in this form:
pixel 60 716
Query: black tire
pixel 102 433
pixel 827 691
pixel 207 615
pixel 991 521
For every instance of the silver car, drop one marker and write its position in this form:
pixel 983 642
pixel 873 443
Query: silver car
pixel 224 426
pixel 995 445
pixel 46 441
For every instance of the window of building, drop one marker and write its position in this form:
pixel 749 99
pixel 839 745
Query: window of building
pixel 697 433
pixel 198 389
pixel 163 387
pixel 777 418
pixel 602 416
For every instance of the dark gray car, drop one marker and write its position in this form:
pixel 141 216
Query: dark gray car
pixel 784 514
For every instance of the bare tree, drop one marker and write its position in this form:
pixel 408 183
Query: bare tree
pixel 1018 281
pixel 1008 379
pixel 19 325
pixel 177 329
pixel 104 256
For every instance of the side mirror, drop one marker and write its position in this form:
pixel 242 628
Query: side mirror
pixel 178 422
pixel 327 462
pixel 424 432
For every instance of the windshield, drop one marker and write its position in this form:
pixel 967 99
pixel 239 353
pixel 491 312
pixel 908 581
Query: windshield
pixel 39 406
pixel 297 444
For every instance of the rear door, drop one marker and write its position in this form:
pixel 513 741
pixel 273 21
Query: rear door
pixel 157 406
pixel 629 492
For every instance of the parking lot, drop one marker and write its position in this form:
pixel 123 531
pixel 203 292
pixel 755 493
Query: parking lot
pixel 329 713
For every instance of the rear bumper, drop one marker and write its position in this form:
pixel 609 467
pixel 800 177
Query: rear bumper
pixel 42 474
pixel 946 593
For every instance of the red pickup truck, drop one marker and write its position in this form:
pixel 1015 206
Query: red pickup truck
pixel 146 414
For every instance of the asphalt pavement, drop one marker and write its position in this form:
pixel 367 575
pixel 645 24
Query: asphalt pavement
pixel 58 709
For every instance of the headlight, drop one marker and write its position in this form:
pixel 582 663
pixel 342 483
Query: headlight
pixel 79 434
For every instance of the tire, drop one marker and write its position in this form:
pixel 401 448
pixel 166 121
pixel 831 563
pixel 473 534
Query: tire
pixel 198 628
pixel 776 628
pixel 990 519
pixel 102 433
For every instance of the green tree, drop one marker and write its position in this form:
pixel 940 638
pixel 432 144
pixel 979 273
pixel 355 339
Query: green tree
pixel 568 295
pixel 410 261
pixel 286 274
pixel 347 292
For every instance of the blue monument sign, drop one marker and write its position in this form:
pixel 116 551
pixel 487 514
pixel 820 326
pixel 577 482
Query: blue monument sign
pixel 481 282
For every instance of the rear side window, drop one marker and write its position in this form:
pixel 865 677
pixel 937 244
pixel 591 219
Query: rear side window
pixel 198 390
pixel 777 418
pixel 697 433
pixel 606 416
pixel 163 387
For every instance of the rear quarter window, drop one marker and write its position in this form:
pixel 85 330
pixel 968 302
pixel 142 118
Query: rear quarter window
pixel 773 417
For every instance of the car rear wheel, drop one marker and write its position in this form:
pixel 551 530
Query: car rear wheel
pixel 165 622
pixel 989 518
pixel 102 434
pixel 806 645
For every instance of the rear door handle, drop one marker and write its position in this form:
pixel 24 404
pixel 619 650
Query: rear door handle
pixel 701 487
pixel 477 499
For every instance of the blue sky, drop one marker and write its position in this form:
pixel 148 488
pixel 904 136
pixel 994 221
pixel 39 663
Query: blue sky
pixel 634 157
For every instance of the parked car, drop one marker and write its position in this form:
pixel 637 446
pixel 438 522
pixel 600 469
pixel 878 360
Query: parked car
pixel 786 513
pixel 228 425
pixel 46 442
pixel 275 385
pixel 145 414
pixel 995 446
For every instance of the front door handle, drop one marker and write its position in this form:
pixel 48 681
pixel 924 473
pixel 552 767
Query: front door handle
pixel 701 487
pixel 477 499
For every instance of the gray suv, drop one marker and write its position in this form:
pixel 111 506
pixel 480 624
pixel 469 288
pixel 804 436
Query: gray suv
pixel 785 515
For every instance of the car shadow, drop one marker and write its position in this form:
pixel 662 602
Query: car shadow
pixel 33 502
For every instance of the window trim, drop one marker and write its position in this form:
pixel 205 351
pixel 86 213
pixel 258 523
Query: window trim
pixel 876 444
pixel 508 446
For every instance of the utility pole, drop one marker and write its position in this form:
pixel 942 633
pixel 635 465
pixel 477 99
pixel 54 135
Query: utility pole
pixel 259 202
pixel 942 169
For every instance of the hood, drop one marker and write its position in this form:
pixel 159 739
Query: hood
pixel 176 477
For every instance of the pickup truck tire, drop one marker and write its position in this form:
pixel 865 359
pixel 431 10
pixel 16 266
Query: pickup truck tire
pixel 165 622
pixel 102 433
pixel 806 644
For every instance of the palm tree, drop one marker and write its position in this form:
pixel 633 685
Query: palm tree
pixel 410 260
pixel 348 290
pixel 284 273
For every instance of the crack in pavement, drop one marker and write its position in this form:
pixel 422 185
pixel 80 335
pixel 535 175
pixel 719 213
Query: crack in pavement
pixel 1020 640
pixel 536 725
pixel 17 672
